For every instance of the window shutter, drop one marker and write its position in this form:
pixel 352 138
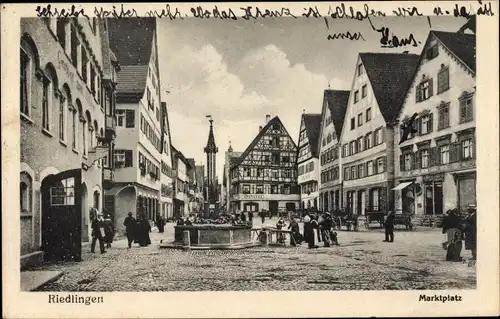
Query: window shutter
pixel 128 158
pixel 431 123
pixel 382 135
pixel 418 94
pixel 418 160
pixel 401 163
pixel 431 86
pixel 129 118
pixel 454 152
pixel 419 125
pixel 375 166
pixel 469 111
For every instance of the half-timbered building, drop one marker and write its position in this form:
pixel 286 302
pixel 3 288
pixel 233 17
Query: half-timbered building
pixel 437 165
pixel 332 120
pixel 307 160
pixel 264 177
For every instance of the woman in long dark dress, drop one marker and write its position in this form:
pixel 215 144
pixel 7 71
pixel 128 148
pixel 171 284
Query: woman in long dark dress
pixel 471 232
pixel 145 227
pixel 453 229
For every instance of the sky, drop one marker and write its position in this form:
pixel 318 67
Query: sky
pixel 239 71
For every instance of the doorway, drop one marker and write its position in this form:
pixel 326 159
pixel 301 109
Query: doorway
pixel 62 216
pixel 273 207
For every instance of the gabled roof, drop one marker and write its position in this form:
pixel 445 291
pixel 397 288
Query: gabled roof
pixel 178 154
pixel 132 79
pixel 389 75
pixel 337 101
pixel 313 125
pixel 235 161
pixel 131 39
pixel 462 45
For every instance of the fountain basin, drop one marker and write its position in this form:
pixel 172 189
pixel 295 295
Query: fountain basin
pixel 212 236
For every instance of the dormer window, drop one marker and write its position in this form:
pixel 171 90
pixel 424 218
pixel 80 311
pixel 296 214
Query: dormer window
pixel 432 51
pixel 360 69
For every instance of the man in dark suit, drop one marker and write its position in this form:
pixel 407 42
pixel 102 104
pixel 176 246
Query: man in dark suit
pixel 98 232
pixel 389 227
pixel 129 224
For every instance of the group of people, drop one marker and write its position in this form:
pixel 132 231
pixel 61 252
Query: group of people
pixel 137 230
pixel 103 230
pixel 460 228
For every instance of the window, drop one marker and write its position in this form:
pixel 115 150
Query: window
pixel 361 171
pixel 424 90
pixel 356 96
pixel 64 193
pixel 123 158
pixel 259 189
pixel 345 150
pixel 466 109
pixel 74 47
pixel 377 137
pixel 368 141
pixel 129 118
pixel 353 123
pixel 353 172
pixel 467 149
pixel 424 158
pixel 85 62
pixel 375 198
pixel 360 144
pixel 25 83
pixel 46 100
pixel 444 152
pixel 444 116
pixel 329 138
pixel 84 137
pixel 426 124
pixel 120 118
pixel 61 32
pixel 369 168
pixel 432 51
pixel 443 79
pixel 324 142
pixel 346 173
pixel 92 81
pixel 363 91
pixel 360 119
pixel 360 69
pixel 74 123
pixel 368 114
pixel 62 113
pixel 380 165
pixel 408 162
pixel 352 147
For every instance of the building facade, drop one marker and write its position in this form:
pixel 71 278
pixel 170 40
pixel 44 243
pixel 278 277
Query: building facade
pixel 63 137
pixel 332 120
pixel 307 160
pixel 226 184
pixel 167 187
pixel 264 177
pixel 181 183
pixel 367 138
pixel 436 164
pixel 139 144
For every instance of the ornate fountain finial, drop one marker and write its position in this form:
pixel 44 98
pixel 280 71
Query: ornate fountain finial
pixel 211 147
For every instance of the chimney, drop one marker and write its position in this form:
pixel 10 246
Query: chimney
pixel 268 118
pixel 406 52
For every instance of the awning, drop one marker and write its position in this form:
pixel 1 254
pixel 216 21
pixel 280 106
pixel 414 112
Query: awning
pixel 401 186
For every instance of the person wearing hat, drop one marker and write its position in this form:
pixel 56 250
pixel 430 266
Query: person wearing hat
pixel 98 232
pixel 129 224
pixel 471 231
pixel 325 226
pixel 452 227
pixel 389 227
pixel 110 230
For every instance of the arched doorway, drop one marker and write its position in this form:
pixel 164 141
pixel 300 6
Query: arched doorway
pixel 86 216
pixel 61 216
pixel 97 200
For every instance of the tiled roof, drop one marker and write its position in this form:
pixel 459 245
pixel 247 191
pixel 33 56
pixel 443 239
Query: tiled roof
pixel 462 45
pixel 337 104
pixel 131 39
pixel 313 126
pixel 132 79
pixel 238 160
pixel 389 75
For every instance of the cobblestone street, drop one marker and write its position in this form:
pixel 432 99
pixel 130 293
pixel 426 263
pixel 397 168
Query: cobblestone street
pixel 362 262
